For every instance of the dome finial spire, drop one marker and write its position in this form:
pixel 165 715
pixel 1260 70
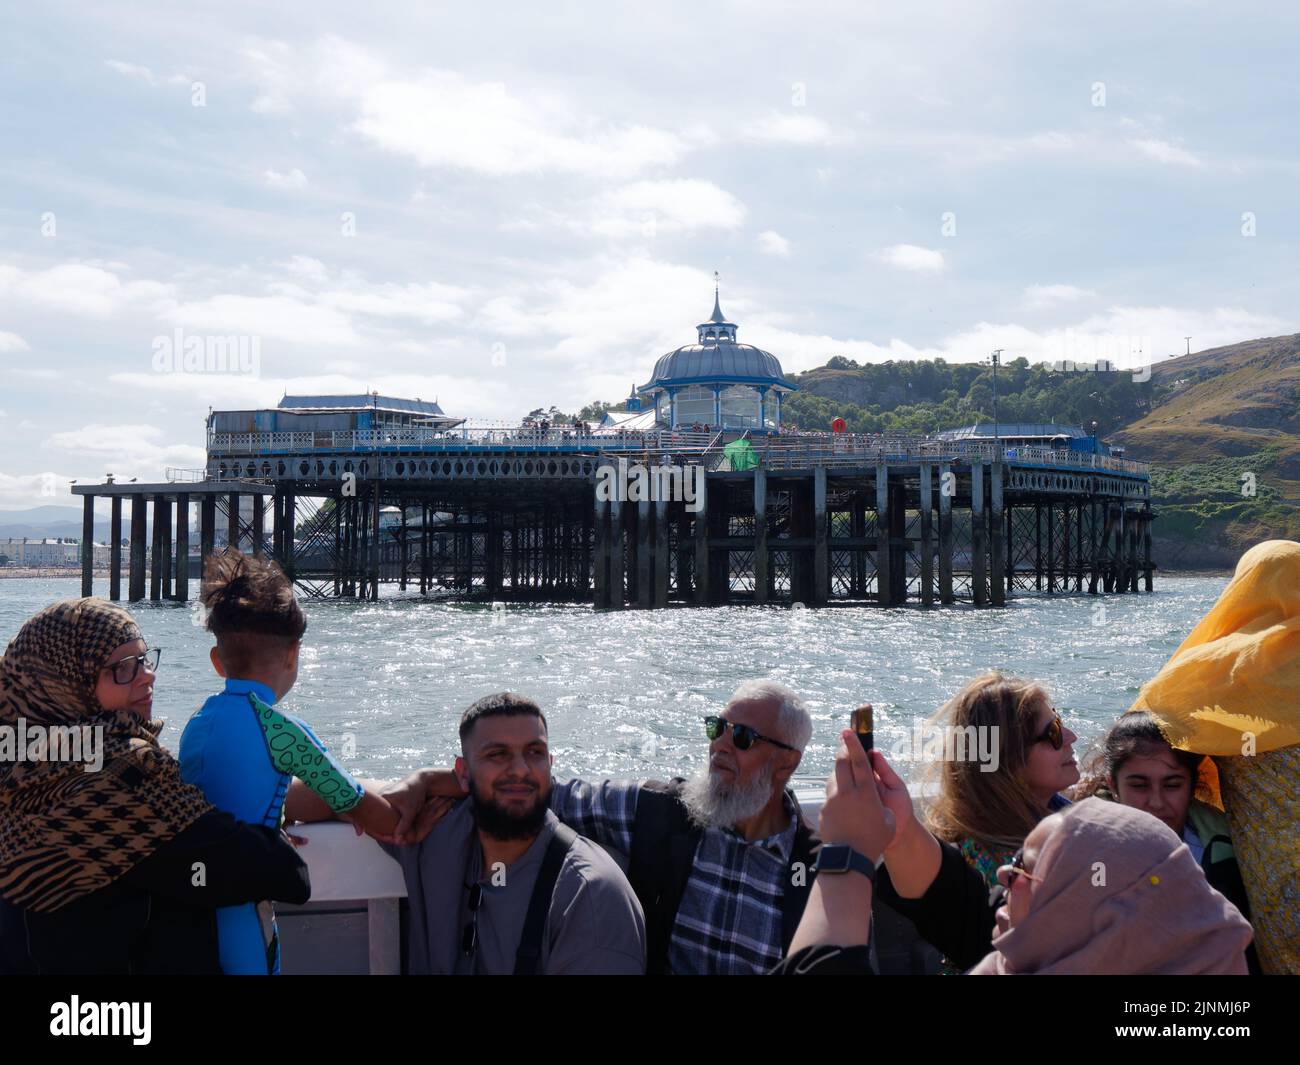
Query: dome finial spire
pixel 717 327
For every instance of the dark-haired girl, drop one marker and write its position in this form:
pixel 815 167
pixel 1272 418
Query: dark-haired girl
pixel 1136 766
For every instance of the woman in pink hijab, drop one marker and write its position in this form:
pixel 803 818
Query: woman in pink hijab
pixel 1105 888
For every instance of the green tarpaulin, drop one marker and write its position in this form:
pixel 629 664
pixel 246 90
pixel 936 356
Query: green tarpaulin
pixel 740 453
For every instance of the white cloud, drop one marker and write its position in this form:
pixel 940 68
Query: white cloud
pixel 440 118
pixel 280 317
pixel 11 342
pixel 1038 296
pixel 127 450
pixel 646 209
pixel 1165 152
pixel 294 179
pixel 134 70
pixel 81 289
pixel 770 242
pixel 779 128
pixel 913 257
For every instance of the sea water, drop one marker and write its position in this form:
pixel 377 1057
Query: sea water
pixel 624 692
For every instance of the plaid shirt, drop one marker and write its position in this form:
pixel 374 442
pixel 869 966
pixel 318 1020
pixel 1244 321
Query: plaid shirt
pixel 729 921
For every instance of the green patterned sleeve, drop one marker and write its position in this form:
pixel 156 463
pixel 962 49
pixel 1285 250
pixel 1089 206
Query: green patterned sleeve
pixel 295 750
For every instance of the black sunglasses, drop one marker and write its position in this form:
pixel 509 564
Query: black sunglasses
pixel 126 669
pixel 469 937
pixel 1052 734
pixel 742 736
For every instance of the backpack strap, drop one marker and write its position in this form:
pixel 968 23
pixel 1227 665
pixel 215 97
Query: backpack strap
pixel 529 953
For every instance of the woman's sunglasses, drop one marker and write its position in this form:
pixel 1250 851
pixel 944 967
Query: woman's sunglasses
pixel 1052 734
pixel 1015 868
pixel 742 736
pixel 125 669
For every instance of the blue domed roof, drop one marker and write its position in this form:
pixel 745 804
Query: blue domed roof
pixel 717 357
pixel 717 361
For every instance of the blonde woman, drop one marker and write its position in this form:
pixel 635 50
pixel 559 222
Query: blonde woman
pixel 987 815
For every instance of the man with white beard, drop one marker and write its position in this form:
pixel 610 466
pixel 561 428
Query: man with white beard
pixel 722 863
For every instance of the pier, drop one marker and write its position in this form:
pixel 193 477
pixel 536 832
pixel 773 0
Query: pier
pixel 514 514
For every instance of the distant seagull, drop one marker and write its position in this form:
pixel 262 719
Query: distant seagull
pixel 132 480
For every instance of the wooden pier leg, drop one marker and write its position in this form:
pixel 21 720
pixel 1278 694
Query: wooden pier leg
pixel 1008 538
pixel 1146 547
pixel 997 530
pixel 1051 548
pixel 155 553
pixel 337 517
pixel 491 555
pixel 644 586
pixel 259 524
pixel 1038 546
pixel 684 553
pixel 616 555
pixel 897 541
pixel 583 559
pixel 290 533
pixel 88 546
pixel 700 530
pixel 115 551
pixel 1078 548
pixel 163 514
pixel 1132 560
pixel 232 520
pixel 662 559
pixel 978 533
pixel 373 567
pixel 884 567
pixel 404 551
pixel 277 527
pixel 821 540
pixel 927 534
pixel 1066 529
pixel 600 594
pixel 207 530
pixel 1094 563
pixel 182 592
pixel 135 590
pixel 858 555
pixel 947 488
pixel 760 536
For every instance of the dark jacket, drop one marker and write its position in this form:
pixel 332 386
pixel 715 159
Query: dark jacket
pixel 664 841
pixel 154 918
pixel 954 914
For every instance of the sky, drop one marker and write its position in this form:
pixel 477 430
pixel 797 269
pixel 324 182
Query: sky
pixel 508 206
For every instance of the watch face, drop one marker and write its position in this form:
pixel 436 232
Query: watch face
pixel 834 859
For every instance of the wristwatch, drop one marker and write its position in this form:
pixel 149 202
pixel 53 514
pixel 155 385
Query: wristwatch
pixel 841 858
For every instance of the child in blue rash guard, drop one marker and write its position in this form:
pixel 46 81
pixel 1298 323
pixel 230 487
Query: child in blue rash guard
pixel 244 753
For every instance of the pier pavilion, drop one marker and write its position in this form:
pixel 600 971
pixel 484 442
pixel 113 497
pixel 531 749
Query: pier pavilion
pixel 716 383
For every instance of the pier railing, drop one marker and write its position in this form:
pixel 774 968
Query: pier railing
pixel 775 452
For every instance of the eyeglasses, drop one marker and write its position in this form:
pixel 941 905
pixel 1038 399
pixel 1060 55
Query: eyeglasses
pixel 742 736
pixel 1015 868
pixel 126 669
pixel 469 937
pixel 1052 734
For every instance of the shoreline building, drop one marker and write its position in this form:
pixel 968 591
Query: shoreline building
pixel 716 382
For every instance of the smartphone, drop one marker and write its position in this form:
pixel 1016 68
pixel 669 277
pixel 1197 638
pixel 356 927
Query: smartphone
pixel 862 721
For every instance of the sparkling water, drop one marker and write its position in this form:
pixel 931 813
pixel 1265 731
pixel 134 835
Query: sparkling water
pixel 385 683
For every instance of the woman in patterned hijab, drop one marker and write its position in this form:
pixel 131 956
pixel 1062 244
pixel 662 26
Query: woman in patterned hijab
pixel 70 828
